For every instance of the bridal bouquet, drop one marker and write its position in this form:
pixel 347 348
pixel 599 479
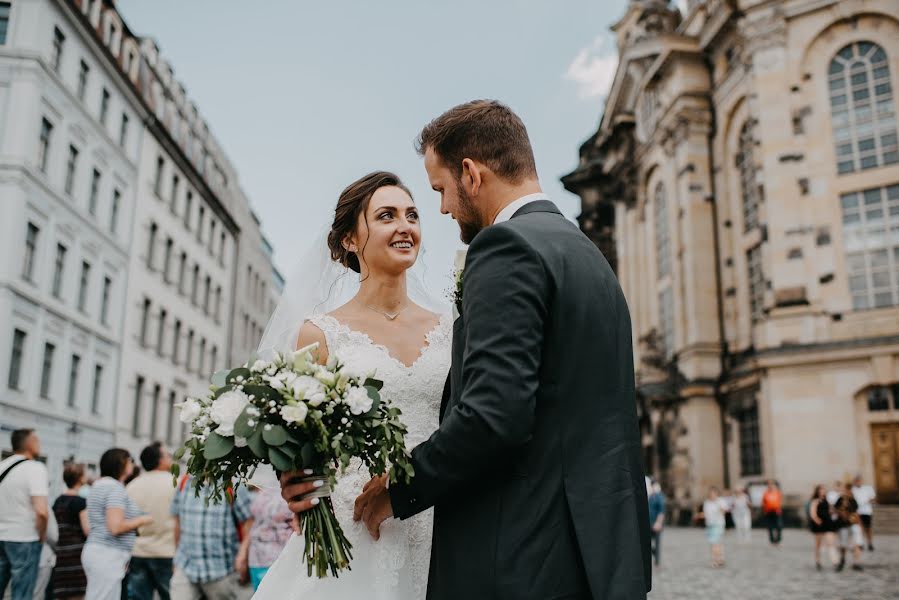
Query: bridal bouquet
pixel 293 413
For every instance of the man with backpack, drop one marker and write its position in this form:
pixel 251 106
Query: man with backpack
pixel 23 519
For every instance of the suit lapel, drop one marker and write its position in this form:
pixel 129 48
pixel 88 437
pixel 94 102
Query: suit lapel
pixel 452 387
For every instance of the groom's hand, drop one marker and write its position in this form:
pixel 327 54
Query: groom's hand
pixel 373 505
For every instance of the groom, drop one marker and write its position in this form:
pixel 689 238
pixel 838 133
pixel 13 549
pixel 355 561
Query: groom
pixel 535 472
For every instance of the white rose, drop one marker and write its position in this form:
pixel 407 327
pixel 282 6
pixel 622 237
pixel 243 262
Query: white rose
pixel 190 410
pixel 259 366
pixel 326 377
pixel 239 442
pixel 305 388
pixel 314 400
pixel 358 400
pixel 274 383
pixel 225 409
pixel 295 413
pixel 353 373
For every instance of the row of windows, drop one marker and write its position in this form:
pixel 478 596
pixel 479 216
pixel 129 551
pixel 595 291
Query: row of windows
pixel 163 413
pixel 185 206
pixel 95 195
pixel 252 332
pixel 663 238
pixel 871 244
pixel 750 441
pixel 862 112
pixel 209 305
pixel 666 319
pixel 4 20
pixel 757 283
pixel 879 398
pixel 257 287
pixel 171 340
pixel 48 362
pixel 82 84
pixel 58 281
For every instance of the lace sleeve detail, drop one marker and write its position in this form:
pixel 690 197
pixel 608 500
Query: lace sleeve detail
pixel 443 333
pixel 329 328
pixel 338 336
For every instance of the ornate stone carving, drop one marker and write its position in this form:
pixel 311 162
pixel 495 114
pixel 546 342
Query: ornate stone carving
pixel 656 18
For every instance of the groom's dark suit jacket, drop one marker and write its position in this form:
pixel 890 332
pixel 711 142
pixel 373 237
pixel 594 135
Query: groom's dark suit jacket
pixel 536 473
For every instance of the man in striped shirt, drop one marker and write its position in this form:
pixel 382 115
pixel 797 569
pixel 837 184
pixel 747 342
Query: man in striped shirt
pixel 206 562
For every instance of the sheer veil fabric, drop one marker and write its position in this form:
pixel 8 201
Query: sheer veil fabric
pixel 319 285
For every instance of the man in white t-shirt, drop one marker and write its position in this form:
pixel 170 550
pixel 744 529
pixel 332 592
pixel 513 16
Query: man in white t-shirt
pixel 24 517
pixel 865 495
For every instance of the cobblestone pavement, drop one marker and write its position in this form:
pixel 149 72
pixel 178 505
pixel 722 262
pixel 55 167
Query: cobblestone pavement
pixel 759 572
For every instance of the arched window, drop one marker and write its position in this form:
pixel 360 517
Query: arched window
pixel 749 188
pixel 861 103
pixel 663 239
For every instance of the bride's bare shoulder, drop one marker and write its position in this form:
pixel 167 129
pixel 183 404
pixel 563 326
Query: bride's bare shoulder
pixel 427 316
pixel 311 334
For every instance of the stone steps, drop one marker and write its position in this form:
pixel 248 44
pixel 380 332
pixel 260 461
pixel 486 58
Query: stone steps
pixel 886 518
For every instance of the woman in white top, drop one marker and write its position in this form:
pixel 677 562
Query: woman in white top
pixel 865 497
pixel 742 515
pixel 713 510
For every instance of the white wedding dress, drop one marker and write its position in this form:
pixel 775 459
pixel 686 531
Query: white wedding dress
pixel 396 566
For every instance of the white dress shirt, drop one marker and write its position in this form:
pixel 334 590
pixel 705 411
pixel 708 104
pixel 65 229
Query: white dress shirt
pixel 512 208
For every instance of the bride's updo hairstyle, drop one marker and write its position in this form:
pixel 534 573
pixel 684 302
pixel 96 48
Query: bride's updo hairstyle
pixel 353 201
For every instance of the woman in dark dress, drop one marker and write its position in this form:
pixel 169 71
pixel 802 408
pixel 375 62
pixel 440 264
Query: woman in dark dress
pixel 821 525
pixel 70 510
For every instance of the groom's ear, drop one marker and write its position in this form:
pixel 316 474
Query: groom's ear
pixel 471 172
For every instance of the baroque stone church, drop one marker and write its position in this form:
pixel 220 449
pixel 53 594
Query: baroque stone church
pixel 744 184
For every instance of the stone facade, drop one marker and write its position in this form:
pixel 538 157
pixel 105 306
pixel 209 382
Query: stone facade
pixel 126 240
pixel 744 180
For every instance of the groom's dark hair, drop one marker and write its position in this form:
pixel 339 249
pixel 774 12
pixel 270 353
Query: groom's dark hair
pixel 483 130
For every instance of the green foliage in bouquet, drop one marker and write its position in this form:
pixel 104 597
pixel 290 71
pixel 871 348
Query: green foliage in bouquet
pixel 294 413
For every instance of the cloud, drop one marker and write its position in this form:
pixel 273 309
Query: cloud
pixel 593 69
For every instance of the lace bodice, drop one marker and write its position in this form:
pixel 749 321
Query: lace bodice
pixel 416 389
pixel 396 566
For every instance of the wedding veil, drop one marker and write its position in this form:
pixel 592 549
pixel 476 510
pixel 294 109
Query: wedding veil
pixel 319 285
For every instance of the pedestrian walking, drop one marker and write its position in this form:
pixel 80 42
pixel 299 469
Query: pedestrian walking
pixel 849 529
pixel 821 525
pixel 70 510
pixel 713 510
pixel 865 495
pixel 47 560
pixel 772 508
pixel 742 515
pixel 656 520
pixel 151 560
pixel 271 518
pixel 113 521
pixel 24 516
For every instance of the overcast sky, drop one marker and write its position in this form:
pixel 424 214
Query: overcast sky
pixel 306 97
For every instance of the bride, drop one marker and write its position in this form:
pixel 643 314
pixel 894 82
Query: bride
pixel 389 325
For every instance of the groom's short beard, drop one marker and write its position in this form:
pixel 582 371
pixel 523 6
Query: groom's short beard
pixel 468 218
